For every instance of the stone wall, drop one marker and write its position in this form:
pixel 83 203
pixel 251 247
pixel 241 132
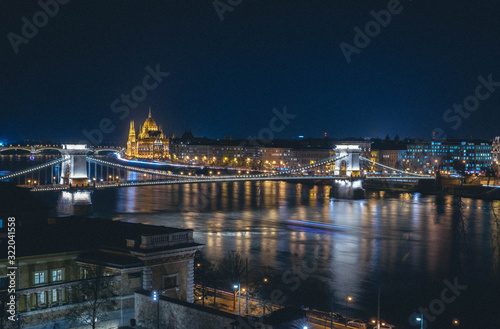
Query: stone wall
pixel 178 314
pixel 57 317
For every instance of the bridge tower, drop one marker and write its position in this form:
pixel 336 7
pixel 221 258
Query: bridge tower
pixel 74 171
pixel 349 159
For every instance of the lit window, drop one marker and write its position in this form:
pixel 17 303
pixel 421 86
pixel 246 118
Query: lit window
pixel 57 275
pixel 39 277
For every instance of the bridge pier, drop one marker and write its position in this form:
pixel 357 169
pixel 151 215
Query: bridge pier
pixel 347 189
pixel 75 203
pixel 348 161
pixel 74 172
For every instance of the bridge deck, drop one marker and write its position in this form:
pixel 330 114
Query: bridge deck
pixel 295 179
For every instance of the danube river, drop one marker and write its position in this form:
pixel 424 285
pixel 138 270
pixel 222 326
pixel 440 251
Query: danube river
pixel 422 251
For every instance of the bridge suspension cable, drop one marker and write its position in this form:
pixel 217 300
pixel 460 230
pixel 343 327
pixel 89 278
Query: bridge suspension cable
pixel 35 168
pixel 212 179
pixel 278 173
pixel 394 169
pixel 141 170
pixel 311 166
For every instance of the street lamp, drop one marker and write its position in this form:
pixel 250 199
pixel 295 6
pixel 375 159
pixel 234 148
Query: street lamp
pixel 421 320
pixel 347 299
pixel 237 286
pixel 456 322
pixel 202 283
pixel 156 300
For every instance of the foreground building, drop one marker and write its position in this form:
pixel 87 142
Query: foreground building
pixel 56 261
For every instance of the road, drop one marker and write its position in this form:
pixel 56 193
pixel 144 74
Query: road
pixel 229 302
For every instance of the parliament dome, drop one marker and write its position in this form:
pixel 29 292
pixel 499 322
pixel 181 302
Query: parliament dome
pixel 150 123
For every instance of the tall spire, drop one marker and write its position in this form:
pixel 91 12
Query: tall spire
pixel 131 132
pixel 149 116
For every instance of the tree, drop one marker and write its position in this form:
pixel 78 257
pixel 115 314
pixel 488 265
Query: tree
pixel 204 273
pixel 387 138
pixel 231 268
pixel 265 282
pixel 95 296
pixel 459 167
pixel 396 139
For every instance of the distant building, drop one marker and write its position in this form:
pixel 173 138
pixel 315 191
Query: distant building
pixel 276 155
pixel 447 156
pixel 151 143
pixel 495 155
pixel 392 158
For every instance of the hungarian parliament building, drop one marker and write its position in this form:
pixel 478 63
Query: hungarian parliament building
pixel 151 143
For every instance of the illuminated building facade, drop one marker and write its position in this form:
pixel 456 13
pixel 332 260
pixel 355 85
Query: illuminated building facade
pixel 495 155
pixel 150 143
pixel 429 156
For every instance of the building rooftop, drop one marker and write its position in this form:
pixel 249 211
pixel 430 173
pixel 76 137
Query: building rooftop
pixel 93 235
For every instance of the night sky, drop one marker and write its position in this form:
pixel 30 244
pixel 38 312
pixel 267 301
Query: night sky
pixel 225 77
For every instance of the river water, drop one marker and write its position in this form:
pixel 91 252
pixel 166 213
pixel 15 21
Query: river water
pixel 421 251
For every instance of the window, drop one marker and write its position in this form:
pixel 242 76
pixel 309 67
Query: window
pixel 54 295
pixel 57 275
pixel 40 277
pixel 84 273
pixel 170 281
pixel 42 298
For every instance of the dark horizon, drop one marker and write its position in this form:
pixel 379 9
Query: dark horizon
pixel 226 77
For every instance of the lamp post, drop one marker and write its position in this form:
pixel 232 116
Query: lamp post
pixel 347 299
pixel 421 320
pixel 237 286
pixel 331 316
pixel 156 300
pixel 378 308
